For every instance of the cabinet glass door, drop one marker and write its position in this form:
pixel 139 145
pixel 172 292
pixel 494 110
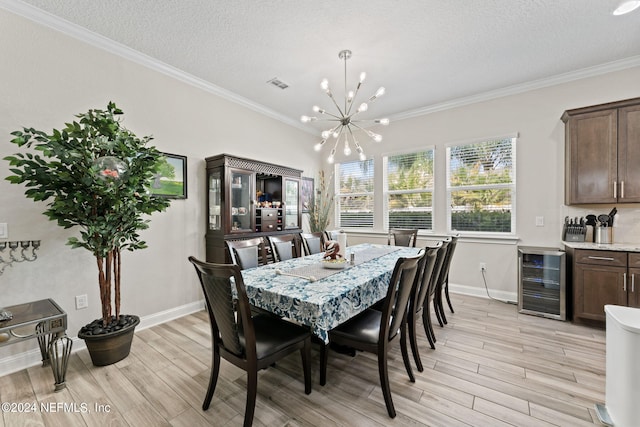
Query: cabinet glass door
pixel 215 186
pixel 241 197
pixel 291 202
pixel 541 276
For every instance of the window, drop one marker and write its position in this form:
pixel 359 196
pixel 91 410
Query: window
pixel 481 186
pixel 355 194
pixel 408 190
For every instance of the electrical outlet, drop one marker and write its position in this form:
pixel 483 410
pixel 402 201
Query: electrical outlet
pixel 82 301
pixel 4 231
pixel 483 266
pixel 539 221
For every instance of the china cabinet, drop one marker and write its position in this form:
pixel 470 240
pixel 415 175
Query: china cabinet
pixel 247 199
pixel 602 151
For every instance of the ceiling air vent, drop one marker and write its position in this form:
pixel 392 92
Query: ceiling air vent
pixel 278 83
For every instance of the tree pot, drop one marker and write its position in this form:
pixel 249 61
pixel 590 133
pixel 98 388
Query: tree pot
pixel 109 348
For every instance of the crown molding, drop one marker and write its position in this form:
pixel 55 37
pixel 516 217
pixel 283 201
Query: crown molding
pixel 56 23
pixel 84 35
pixel 596 70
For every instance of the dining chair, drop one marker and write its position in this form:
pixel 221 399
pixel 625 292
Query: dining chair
pixel 247 253
pixel 284 247
pixel 443 282
pixel 251 343
pixel 424 280
pixel 373 331
pixel 331 235
pixel 313 243
pixel 402 237
pixel 431 294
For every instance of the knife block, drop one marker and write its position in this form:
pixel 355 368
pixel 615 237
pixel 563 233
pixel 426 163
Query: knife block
pixel 574 233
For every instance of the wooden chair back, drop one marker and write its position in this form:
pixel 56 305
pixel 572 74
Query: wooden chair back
pixel 247 253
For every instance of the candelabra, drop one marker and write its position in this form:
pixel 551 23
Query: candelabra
pixel 25 254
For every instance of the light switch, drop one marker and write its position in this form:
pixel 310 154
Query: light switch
pixel 4 230
pixel 539 221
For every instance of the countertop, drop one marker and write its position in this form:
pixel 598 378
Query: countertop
pixel 620 247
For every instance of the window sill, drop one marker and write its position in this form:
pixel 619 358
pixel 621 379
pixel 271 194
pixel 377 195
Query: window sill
pixel 487 238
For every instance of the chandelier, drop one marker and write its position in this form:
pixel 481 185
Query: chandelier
pixel 346 119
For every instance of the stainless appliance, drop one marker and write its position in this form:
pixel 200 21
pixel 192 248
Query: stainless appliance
pixel 541 282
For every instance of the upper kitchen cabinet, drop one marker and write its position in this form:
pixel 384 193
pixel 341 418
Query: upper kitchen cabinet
pixel 602 146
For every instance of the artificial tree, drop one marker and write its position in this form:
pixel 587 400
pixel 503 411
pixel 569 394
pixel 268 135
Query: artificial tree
pixel 94 173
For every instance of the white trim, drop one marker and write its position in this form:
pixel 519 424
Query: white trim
pixel 512 185
pixel 385 183
pixel 482 293
pixel 470 141
pixel 27 359
pixel 596 70
pixel 45 18
pixel 432 236
pixel 94 39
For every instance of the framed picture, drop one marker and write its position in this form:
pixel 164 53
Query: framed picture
pixel 306 193
pixel 171 179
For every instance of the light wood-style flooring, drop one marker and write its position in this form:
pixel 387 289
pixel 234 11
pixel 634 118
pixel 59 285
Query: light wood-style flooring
pixel 491 367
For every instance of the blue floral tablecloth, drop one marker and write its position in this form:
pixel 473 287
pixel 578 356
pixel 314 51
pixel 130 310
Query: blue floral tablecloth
pixel 329 301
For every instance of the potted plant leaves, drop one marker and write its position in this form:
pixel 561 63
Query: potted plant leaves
pixel 94 173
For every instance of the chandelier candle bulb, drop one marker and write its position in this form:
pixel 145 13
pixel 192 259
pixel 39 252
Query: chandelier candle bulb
pixel 347 149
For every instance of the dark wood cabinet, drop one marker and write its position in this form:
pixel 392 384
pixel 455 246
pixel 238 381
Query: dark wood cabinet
pixel 633 286
pixel 629 153
pixel 602 149
pixel 601 278
pixel 247 199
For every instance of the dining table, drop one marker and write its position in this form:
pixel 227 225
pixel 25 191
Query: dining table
pixel 320 294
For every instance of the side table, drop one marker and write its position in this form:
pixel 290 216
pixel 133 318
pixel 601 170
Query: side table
pixel 47 322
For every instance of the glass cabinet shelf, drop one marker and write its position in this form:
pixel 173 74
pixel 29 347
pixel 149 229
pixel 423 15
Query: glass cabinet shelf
pixel 247 199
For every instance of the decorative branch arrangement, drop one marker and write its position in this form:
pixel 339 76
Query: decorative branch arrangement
pixel 321 205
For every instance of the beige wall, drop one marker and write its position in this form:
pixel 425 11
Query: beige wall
pixel 47 77
pixel 535 116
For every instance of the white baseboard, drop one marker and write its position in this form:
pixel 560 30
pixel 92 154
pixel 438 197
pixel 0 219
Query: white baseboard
pixel 482 292
pixel 27 359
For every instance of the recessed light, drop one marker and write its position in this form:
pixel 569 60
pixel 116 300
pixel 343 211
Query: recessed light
pixel 626 7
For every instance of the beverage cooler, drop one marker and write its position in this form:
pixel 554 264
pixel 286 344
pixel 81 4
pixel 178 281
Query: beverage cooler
pixel 541 282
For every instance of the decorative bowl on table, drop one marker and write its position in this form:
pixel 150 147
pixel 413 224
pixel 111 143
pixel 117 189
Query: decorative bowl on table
pixel 335 264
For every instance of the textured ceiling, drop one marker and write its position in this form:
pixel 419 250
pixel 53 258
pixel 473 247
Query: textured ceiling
pixel 425 52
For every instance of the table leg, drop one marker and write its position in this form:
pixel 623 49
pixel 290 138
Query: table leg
pixel 44 340
pixel 59 351
pixel 324 359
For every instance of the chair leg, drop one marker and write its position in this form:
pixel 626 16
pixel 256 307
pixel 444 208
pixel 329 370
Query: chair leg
pixel 384 383
pixel 440 309
pixel 435 309
pixel 405 353
pixel 213 380
pixel 324 359
pixel 306 364
pixel 446 294
pixel 414 343
pixel 252 391
pixel 426 322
